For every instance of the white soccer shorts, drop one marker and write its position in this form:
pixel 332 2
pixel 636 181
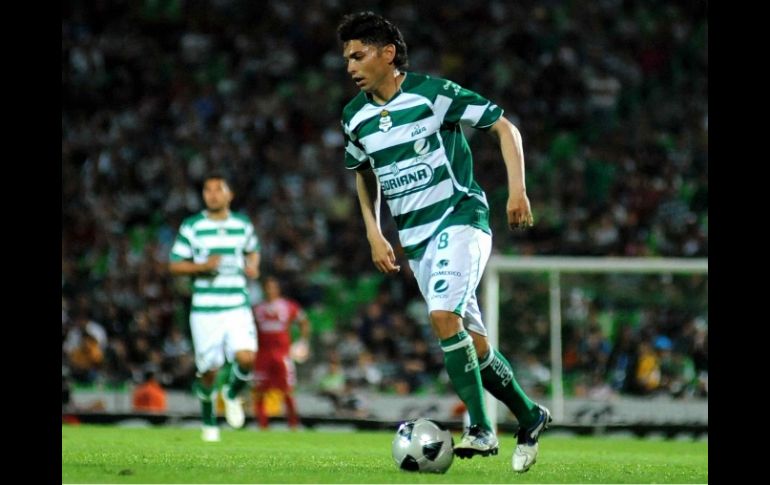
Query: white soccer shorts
pixel 451 269
pixel 217 335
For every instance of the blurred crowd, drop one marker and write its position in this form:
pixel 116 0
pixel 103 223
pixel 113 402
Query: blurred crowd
pixel 611 98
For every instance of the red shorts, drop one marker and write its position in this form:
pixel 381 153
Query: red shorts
pixel 274 370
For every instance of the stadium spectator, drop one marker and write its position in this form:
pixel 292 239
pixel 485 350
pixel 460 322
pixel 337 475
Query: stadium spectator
pixel 86 359
pixel 149 396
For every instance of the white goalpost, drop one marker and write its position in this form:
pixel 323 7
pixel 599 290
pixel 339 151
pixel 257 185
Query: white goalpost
pixel 555 266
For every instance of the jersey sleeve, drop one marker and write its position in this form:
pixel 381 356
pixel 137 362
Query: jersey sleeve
pixel 355 157
pixel 297 313
pixel 252 241
pixel 182 248
pixel 460 105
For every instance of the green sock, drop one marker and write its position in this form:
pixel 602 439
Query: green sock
pixel 223 376
pixel 497 377
pixel 462 365
pixel 207 405
pixel 237 380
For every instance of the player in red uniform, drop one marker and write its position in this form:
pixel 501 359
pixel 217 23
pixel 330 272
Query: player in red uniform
pixel 274 366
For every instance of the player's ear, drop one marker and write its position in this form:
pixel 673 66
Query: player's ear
pixel 389 51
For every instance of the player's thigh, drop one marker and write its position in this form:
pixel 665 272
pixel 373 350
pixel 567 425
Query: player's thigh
pixel 241 333
pixel 458 256
pixel 208 333
pixel 421 270
pixel 287 378
pixel 472 317
pixel 262 370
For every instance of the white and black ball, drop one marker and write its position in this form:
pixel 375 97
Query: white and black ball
pixel 423 445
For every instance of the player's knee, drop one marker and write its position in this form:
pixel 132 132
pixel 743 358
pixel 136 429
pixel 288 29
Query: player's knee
pixel 245 359
pixel 445 324
pixel 481 344
pixel 207 379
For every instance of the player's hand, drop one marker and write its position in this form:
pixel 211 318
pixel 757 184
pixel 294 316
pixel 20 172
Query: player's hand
pixel 383 256
pixel 299 351
pixel 251 271
pixel 519 211
pixel 212 263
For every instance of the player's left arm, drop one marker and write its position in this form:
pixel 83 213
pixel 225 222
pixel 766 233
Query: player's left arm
pixel 300 349
pixel 517 207
pixel 252 265
pixel 304 326
pixel 252 253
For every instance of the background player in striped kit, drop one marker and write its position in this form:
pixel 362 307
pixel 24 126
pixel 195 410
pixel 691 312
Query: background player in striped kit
pixel 220 249
pixel 403 138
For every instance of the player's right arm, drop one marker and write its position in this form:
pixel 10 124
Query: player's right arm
pixel 369 198
pixel 188 267
pixel 181 261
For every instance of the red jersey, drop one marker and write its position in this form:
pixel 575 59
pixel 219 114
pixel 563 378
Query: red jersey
pixel 274 320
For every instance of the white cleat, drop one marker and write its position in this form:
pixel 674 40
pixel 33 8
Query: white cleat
pixel 525 454
pixel 476 441
pixel 210 433
pixel 233 409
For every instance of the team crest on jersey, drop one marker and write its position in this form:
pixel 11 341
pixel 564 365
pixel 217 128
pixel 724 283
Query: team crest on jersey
pixel 386 122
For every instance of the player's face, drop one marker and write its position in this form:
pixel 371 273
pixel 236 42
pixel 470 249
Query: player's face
pixel 217 195
pixel 272 289
pixel 368 64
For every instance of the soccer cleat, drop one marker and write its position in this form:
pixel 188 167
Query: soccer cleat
pixel 525 454
pixel 476 441
pixel 210 433
pixel 233 409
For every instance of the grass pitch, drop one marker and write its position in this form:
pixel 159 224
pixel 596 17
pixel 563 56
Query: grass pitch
pixel 112 454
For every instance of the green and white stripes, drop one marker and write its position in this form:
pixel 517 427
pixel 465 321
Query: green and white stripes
pixel 421 159
pixel 231 238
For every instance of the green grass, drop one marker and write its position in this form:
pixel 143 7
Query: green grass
pixel 111 454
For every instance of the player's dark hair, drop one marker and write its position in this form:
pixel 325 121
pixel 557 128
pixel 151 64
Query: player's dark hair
pixel 216 176
pixel 265 277
pixel 370 28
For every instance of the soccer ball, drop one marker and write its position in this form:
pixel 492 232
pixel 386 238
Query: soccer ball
pixel 423 445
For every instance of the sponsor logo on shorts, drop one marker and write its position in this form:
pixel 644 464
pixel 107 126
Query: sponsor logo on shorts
pixel 446 273
pixel 441 286
pixel 443 263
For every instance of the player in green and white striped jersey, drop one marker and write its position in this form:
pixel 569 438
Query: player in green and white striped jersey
pixel 220 249
pixel 403 138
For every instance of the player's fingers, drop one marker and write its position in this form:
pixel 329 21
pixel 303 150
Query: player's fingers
pixel 513 219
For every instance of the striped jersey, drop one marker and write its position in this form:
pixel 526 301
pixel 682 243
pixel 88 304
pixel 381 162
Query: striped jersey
pixel 416 148
pixel 233 237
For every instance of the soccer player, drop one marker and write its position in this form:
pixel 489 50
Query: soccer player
pixel 274 367
pixel 220 249
pixel 403 138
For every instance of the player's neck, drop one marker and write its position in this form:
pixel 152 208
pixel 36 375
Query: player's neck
pixel 389 88
pixel 218 215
